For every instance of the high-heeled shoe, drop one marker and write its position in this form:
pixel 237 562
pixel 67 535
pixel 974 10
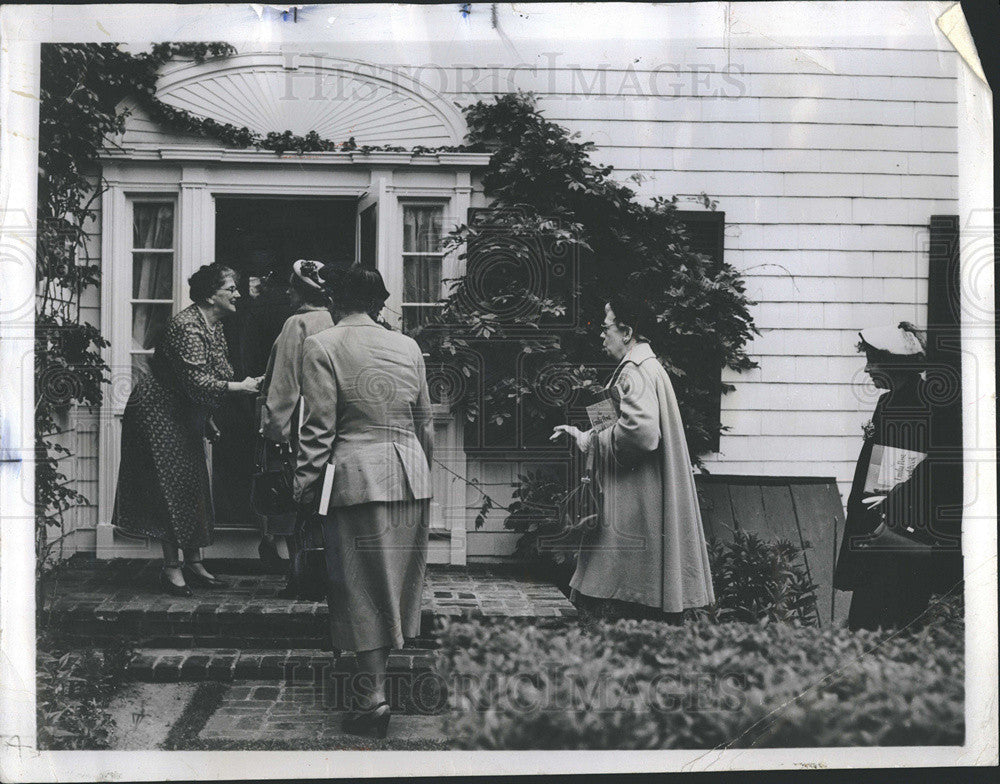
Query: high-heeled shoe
pixel 201 580
pixel 169 586
pixel 373 722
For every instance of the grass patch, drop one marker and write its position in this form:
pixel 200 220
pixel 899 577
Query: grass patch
pixel 344 743
pixel 73 691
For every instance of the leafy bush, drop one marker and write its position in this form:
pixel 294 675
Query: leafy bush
pixel 73 690
pixel 551 206
pixel 755 581
pixel 643 684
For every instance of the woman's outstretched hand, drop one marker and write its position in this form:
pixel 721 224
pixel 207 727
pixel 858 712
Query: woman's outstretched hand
pixel 582 439
pixel 247 385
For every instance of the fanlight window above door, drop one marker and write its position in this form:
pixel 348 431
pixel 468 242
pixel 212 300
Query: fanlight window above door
pixel 337 99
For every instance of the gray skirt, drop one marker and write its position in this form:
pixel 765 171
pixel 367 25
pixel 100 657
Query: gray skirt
pixel 376 555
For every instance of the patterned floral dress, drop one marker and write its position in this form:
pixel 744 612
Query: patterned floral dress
pixel 163 483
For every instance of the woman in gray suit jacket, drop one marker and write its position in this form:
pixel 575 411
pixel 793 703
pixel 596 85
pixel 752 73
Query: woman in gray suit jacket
pixel 367 411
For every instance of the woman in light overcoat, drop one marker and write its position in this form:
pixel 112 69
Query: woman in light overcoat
pixel 281 395
pixel 647 556
pixel 366 411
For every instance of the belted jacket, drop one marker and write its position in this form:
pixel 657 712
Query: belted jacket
pixel 366 408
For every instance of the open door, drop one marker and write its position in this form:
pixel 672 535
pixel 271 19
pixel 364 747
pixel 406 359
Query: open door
pixel 375 217
pixel 367 227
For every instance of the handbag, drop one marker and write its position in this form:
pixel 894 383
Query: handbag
pixel 308 565
pixel 271 484
pixel 580 509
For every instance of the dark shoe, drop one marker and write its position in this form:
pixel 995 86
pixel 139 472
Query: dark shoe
pixel 269 555
pixel 201 580
pixel 172 588
pixel 290 591
pixel 373 722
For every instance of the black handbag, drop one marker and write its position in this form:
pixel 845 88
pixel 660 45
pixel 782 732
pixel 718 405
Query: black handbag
pixel 271 485
pixel 308 565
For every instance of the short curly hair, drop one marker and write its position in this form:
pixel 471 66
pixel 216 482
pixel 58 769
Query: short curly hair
pixel 209 279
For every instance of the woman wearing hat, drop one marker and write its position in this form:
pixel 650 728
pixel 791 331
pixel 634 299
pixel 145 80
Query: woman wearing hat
pixel 281 395
pixel 894 547
pixel 648 557
pixel 366 413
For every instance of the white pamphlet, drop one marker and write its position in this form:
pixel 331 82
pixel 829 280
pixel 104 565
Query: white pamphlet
pixel 324 497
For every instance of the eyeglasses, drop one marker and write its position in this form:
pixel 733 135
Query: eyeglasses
pixel 230 289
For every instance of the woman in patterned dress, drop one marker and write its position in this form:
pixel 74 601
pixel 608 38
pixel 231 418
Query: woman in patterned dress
pixel 163 483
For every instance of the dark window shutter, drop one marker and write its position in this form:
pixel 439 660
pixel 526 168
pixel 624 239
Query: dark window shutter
pixel 944 377
pixel 706 233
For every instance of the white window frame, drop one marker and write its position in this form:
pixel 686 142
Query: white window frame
pixel 173 250
pixel 447 221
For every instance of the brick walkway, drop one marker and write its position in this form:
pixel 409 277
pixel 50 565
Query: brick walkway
pixel 269 656
pixel 126 586
pixel 300 716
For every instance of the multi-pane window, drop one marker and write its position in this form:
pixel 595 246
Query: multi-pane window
pixel 152 277
pixel 422 257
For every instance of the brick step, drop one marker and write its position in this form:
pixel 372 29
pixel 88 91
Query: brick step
pixel 412 682
pixel 96 602
pixel 195 623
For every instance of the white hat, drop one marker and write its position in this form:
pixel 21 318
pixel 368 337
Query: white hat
pixel 900 341
pixel 308 272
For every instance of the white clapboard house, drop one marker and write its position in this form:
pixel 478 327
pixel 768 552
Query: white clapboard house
pixel 827 136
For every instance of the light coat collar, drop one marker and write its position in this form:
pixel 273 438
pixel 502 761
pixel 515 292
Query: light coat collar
pixel 357 320
pixel 638 354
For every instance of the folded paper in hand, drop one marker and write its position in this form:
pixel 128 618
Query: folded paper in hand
pixel 602 413
pixel 890 466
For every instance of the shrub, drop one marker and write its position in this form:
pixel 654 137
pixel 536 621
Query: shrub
pixel 755 581
pixel 643 684
pixel 73 690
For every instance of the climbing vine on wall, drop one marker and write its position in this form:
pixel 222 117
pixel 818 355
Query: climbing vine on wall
pixel 81 88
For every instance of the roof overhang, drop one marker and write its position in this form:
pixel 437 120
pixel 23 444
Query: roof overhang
pixel 464 160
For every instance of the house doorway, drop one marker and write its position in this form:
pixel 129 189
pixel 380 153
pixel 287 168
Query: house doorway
pixel 261 238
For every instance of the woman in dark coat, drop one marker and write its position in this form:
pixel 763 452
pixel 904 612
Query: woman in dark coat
pixel 163 483
pixel 895 548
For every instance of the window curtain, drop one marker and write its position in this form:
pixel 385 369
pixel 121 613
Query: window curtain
pixel 152 273
pixel 422 234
